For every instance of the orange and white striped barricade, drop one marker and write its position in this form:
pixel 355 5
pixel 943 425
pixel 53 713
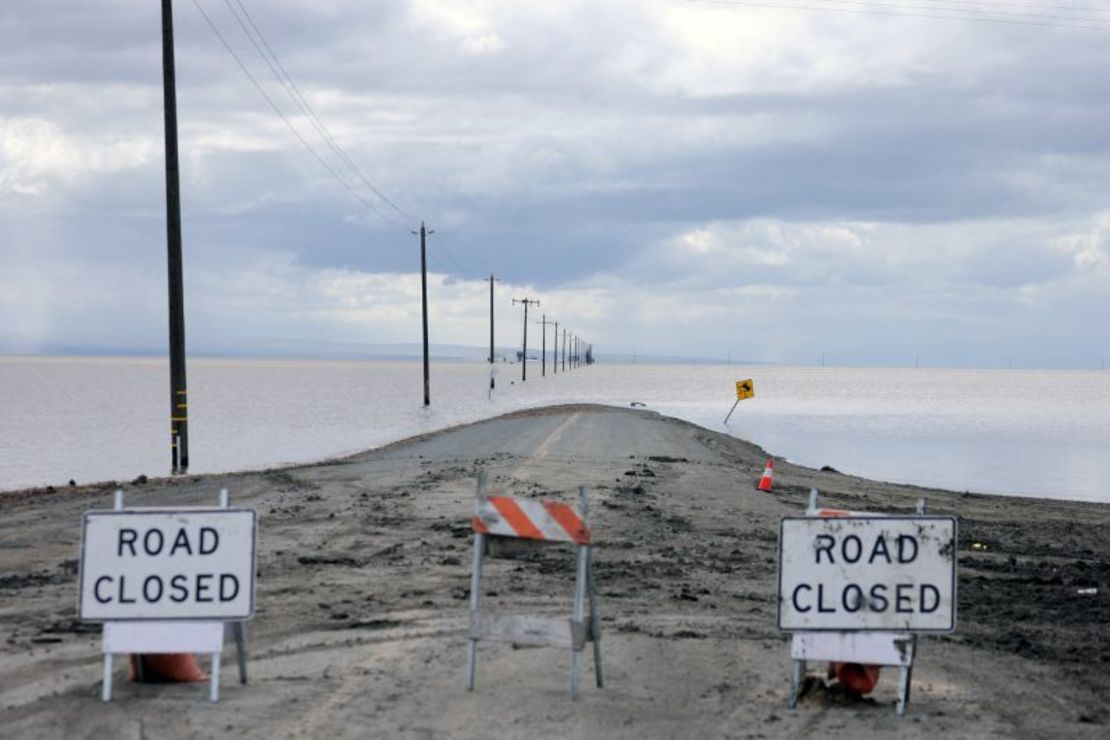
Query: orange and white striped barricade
pixel 880 640
pixel 511 519
pixel 149 575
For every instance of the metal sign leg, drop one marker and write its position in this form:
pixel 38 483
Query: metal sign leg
pixel 475 587
pixel 214 685
pixel 106 684
pixel 239 630
pixel 595 618
pixel 579 609
pixel 797 673
pixel 903 689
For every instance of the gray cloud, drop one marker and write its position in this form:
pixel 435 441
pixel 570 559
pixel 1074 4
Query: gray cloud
pixel 884 186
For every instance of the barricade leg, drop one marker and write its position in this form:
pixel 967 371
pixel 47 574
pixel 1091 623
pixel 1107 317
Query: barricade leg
pixel 905 680
pixel 904 688
pixel 239 630
pixel 475 587
pixel 595 619
pixel 106 683
pixel 214 679
pixel 579 609
pixel 797 673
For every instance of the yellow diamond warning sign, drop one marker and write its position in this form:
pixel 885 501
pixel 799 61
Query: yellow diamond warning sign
pixel 745 389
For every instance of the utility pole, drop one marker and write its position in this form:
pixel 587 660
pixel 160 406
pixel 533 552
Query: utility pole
pixel 179 399
pixel 555 351
pixel 543 352
pixel 492 382
pixel 524 355
pixel 424 302
pixel 564 349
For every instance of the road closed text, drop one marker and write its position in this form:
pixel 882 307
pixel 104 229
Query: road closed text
pixel 869 573
pixel 163 565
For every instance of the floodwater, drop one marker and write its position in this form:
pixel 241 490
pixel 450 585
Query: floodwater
pixel 1032 433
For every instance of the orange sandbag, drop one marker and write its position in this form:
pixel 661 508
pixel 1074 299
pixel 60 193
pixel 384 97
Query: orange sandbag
pixel 167 668
pixel 859 678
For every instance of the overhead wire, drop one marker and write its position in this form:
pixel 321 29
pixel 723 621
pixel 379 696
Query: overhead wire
pixel 281 74
pixel 446 253
pixel 975 7
pixel 289 124
pixel 876 8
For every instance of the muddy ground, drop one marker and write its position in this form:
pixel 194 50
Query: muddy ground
pixel 364 578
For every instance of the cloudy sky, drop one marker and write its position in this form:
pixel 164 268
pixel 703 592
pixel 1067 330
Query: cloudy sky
pixel 768 180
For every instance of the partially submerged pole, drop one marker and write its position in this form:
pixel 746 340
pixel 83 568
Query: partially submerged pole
pixel 179 399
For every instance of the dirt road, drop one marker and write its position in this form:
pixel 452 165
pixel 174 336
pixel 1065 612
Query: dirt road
pixel 364 575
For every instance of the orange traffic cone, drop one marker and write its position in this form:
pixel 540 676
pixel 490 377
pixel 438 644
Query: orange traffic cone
pixel 166 668
pixel 857 677
pixel 768 474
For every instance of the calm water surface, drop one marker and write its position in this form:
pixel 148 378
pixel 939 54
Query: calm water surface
pixel 1036 433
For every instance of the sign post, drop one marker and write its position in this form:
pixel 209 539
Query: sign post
pixel 858 588
pixel 168 581
pixel 744 389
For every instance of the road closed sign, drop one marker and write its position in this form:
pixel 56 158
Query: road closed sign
pixel 868 573
pixel 162 564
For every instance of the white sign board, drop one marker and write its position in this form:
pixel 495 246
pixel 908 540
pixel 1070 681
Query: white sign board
pixel 166 564
pixel 868 573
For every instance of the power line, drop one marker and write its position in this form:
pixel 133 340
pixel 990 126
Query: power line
pixel 999 9
pixel 281 114
pixel 862 7
pixel 281 74
pixel 454 261
pixel 996 9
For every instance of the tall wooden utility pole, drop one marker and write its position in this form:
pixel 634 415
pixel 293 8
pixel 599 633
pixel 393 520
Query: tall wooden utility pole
pixel 555 351
pixel 564 349
pixel 524 355
pixel 492 382
pixel 424 302
pixel 543 352
pixel 179 398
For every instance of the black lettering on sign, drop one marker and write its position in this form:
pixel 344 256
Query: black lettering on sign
pixel 202 587
pixel 127 539
pixel 856 547
pixel 852 598
pixel 906 553
pixel 824 544
pixel 122 587
pixel 878 601
pixel 181 541
pixel 903 602
pixel 794 597
pixel 157 595
pixel 879 550
pixel 927 607
pixel 160 541
pixel 229 587
pixel 96 590
pixel 181 593
pixel 209 541
pixel 821 600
